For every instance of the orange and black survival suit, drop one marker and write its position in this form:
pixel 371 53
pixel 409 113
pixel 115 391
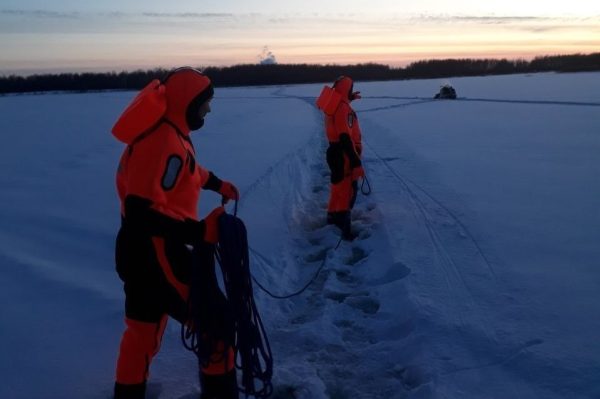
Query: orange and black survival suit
pixel 159 184
pixel 343 157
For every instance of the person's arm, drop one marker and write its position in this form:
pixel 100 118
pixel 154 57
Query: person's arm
pixel 142 217
pixel 223 187
pixel 344 121
pixel 349 150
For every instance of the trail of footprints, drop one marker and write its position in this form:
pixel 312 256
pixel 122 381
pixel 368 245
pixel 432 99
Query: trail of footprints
pixel 339 296
pixel 338 293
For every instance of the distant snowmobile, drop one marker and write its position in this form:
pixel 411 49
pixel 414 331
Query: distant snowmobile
pixel 447 92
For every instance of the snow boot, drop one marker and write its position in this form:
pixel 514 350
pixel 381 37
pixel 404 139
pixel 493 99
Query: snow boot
pixel 339 219
pixel 349 235
pixel 332 217
pixel 134 391
pixel 221 386
pixel 343 221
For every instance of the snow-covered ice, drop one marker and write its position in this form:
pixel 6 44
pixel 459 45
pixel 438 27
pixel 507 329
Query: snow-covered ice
pixel 475 273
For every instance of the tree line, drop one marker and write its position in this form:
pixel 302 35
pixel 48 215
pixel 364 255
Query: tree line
pixel 277 74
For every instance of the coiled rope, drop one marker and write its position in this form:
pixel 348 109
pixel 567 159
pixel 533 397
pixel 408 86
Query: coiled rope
pixel 231 321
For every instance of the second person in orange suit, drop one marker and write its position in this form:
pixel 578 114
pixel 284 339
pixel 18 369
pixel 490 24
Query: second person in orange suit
pixel 343 157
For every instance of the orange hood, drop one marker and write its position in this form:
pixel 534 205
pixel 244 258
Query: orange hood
pixel 344 85
pixel 186 90
pixel 178 99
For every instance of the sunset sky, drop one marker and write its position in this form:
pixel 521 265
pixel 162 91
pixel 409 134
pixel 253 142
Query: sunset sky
pixel 69 35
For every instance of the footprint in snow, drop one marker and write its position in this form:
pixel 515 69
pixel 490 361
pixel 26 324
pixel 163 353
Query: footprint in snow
pixel 314 241
pixel 285 391
pixel 364 215
pixel 412 377
pixel 364 234
pixel 345 276
pixel 365 304
pixel 317 256
pixel 314 224
pixel 356 334
pixel 356 256
pixel 302 319
pixel 341 296
pixel 336 296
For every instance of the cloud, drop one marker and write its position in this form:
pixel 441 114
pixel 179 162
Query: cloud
pixel 484 19
pixel 39 14
pixel 523 23
pixel 497 20
pixel 190 15
pixel 55 14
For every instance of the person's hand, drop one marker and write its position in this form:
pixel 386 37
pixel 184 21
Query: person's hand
pixel 229 191
pixel 355 95
pixel 211 224
pixel 358 172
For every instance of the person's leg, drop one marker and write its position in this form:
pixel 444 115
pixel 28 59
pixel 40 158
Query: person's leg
pixel 139 344
pixel 339 206
pixel 353 194
pixel 145 314
pixel 337 188
pixel 219 386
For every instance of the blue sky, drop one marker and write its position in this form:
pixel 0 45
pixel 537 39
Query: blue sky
pixel 37 36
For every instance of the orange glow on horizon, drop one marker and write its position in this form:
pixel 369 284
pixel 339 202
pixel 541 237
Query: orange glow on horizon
pixel 170 42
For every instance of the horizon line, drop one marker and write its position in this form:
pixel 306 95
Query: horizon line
pixel 103 70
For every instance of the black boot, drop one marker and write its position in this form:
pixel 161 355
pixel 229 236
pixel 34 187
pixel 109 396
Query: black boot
pixel 345 224
pixel 332 217
pixel 223 386
pixel 343 221
pixel 348 234
pixel 134 391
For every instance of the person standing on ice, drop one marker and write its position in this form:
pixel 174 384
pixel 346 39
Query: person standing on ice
pixel 344 152
pixel 159 183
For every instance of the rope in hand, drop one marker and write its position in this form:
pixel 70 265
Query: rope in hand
pixel 254 357
pixel 210 328
pixel 218 322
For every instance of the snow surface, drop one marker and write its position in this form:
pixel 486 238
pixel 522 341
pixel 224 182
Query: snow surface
pixel 475 274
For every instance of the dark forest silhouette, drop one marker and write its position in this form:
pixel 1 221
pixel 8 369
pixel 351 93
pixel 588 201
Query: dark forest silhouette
pixel 277 74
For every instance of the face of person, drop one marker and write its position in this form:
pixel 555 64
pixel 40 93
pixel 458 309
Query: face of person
pixel 195 114
pixel 204 109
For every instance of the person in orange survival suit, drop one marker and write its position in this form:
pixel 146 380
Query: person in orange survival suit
pixel 159 183
pixel 343 157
